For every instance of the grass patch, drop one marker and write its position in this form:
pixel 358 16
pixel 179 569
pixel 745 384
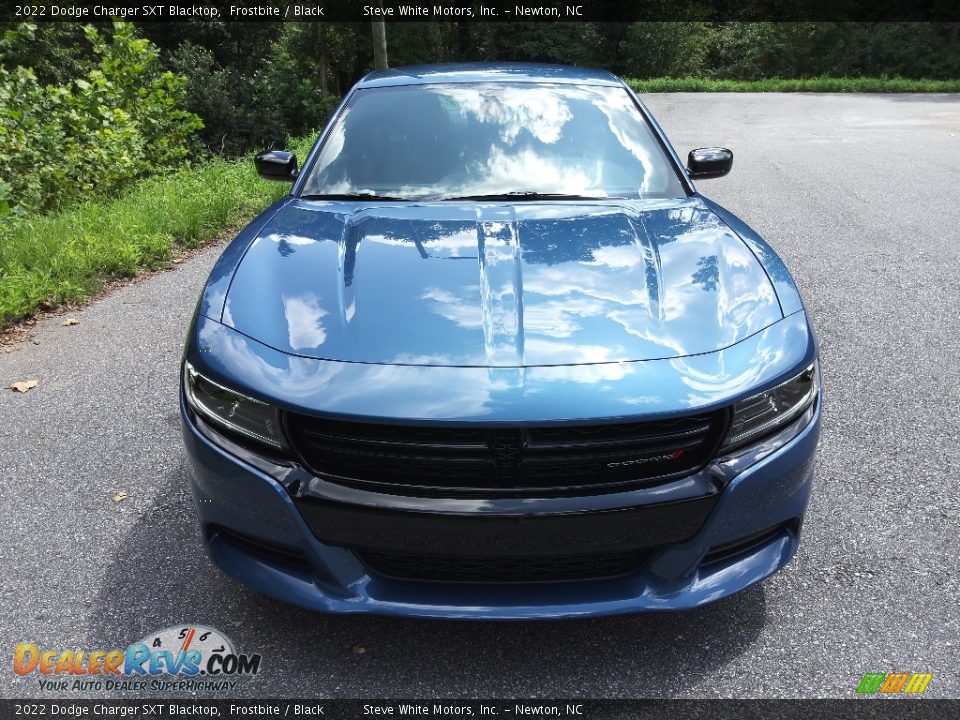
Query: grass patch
pixel 819 84
pixel 49 260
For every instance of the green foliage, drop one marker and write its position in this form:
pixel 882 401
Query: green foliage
pixel 819 84
pixel 286 84
pixel 415 43
pixel 659 49
pixel 57 52
pixel 236 115
pixel 94 134
pixel 65 257
pixel 752 51
pixel 555 42
pixel 4 198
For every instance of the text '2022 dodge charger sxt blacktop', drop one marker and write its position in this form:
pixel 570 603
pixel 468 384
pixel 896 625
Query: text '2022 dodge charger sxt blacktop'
pixel 494 356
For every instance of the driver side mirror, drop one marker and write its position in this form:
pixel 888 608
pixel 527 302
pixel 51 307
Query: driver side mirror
pixel 711 162
pixel 277 165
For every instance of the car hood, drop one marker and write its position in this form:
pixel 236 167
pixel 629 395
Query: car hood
pixel 499 285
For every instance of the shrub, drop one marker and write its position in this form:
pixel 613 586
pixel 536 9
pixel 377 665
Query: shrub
pixel 257 105
pixel 94 134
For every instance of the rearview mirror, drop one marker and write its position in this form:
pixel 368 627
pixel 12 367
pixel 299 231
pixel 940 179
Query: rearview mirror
pixel 277 165
pixel 711 162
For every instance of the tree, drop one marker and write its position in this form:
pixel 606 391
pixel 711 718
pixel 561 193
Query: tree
pixel 379 41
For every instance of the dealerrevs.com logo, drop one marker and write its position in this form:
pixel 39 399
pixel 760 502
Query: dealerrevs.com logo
pixel 178 658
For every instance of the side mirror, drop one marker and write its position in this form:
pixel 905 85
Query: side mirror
pixel 712 162
pixel 277 165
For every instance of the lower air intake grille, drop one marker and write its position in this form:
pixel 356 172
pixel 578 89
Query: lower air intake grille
pixel 484 461
pixel 262 548
pixel 516 569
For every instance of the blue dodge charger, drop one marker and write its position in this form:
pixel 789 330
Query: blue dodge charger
pixel 495 356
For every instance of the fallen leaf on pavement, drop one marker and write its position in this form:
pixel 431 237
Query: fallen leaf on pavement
pixel 70 321
pixel 120 496
pixel 23 386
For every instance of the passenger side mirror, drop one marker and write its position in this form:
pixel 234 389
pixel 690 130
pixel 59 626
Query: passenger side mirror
pixel 711 162
pixel 277 165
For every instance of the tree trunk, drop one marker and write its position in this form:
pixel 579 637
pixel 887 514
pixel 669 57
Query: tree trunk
pixel 379 41
pixel 322 45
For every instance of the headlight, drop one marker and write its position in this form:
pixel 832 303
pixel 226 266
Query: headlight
pixel 230 410
pixel 765 412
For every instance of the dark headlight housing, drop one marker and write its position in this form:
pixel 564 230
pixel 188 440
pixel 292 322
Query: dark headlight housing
pixel 770 410
pixel 232 411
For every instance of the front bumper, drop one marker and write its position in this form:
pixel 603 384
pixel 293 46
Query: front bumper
pixel 256 533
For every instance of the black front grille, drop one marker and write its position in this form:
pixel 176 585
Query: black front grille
pixel 438 460
pixel 439 568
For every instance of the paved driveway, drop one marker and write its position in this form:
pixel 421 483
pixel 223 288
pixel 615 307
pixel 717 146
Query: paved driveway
pixel 859 194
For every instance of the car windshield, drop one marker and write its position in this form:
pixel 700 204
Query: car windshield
pixel 476 140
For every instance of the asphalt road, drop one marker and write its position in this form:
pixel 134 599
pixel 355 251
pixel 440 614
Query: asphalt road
pixel 858 193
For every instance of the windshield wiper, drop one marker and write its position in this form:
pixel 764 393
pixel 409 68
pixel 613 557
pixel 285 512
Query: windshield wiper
pixel 531 195
pixel 353 196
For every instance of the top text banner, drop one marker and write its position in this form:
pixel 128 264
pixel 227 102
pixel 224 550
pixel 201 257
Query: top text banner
pixel 487 11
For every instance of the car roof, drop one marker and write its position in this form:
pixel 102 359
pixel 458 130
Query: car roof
pixel 487 72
